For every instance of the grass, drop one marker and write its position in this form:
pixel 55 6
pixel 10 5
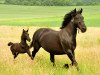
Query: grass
pixel 87 55
pixel 49 16
pixel 13 18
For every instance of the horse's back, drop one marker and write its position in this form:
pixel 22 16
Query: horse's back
pixel 16 47
pixel 49 40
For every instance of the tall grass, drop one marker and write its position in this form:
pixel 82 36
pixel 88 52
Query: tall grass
pixel 87 55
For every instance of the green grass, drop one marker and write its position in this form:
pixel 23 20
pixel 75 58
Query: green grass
pixel 86 53
pixel 49 16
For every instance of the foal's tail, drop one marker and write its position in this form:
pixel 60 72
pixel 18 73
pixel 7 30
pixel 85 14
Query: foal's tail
pixel 10 43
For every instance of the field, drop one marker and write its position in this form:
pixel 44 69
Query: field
pixel 87 55
pixel 14 18
pixel 45 16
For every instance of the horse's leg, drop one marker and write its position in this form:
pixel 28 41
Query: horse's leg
pixel 28 52
pixel 36 49
pixel 72 58
pixel 52 59
pixel 15 55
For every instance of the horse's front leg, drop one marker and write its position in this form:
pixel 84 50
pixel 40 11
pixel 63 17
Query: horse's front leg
pixel 52 59
pixel 71 56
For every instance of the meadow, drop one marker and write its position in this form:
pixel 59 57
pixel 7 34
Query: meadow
pixel 87 55
pixel 49 16
pixel 14 18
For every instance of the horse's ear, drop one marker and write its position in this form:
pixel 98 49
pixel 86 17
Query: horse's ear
pixel 74 10
pixel 80 11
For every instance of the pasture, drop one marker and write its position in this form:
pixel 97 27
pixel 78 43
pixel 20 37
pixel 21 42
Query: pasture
pixel 14 18
pixel 87 55
pixel 49 16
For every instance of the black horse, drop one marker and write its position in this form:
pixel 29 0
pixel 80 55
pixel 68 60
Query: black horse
pixel 21 47
pixel 60 42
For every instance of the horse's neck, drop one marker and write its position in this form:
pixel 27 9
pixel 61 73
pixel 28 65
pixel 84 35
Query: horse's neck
pixel 23 42
pixel 68 35
pixel 71 30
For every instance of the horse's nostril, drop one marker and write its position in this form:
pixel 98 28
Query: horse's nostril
pixel 84 28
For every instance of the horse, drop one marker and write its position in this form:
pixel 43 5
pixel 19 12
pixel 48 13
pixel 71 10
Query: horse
pixel 21 47
pixel 62 41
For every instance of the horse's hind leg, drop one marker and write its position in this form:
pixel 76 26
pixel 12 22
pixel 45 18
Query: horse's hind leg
pixel 36 49
pixel 34 52
pixel 72 58
pixel 15 55
pixel 52 59
pixel 28 52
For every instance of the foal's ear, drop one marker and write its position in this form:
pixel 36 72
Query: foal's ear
pixel 23 30
pixel 27 29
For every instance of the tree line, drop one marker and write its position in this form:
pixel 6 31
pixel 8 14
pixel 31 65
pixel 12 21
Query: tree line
pixel 53 2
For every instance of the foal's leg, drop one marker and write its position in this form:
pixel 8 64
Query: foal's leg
pixel 28 52
pixel 72 58
pixel 15 55
pixel 52 59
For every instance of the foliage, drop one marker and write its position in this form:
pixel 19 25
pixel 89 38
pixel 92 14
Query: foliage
pixel 53 2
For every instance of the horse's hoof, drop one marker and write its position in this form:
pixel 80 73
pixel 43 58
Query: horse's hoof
pixel 32 58
pixel 66 66
pixel 54 64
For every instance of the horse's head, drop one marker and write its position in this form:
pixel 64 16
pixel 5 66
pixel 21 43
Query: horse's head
pixel 79 21
pixel 25 35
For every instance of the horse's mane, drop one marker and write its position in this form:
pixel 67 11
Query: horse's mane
pixel 67 18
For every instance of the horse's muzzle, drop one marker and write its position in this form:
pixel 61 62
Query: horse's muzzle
pixel 83 29
pixel 29 40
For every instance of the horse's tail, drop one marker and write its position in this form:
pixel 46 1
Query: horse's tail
pixel 36 37
pixel 10 43
pixel 33 40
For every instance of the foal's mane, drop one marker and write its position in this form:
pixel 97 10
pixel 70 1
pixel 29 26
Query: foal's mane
pixel 67 18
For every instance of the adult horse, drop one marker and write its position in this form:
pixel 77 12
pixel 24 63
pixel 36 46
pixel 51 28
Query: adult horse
pixel 60 42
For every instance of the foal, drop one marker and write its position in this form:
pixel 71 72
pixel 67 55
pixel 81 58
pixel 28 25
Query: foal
pixel 21 47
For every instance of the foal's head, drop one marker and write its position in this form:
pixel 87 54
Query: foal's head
pixel 25 35
pixel 78 20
